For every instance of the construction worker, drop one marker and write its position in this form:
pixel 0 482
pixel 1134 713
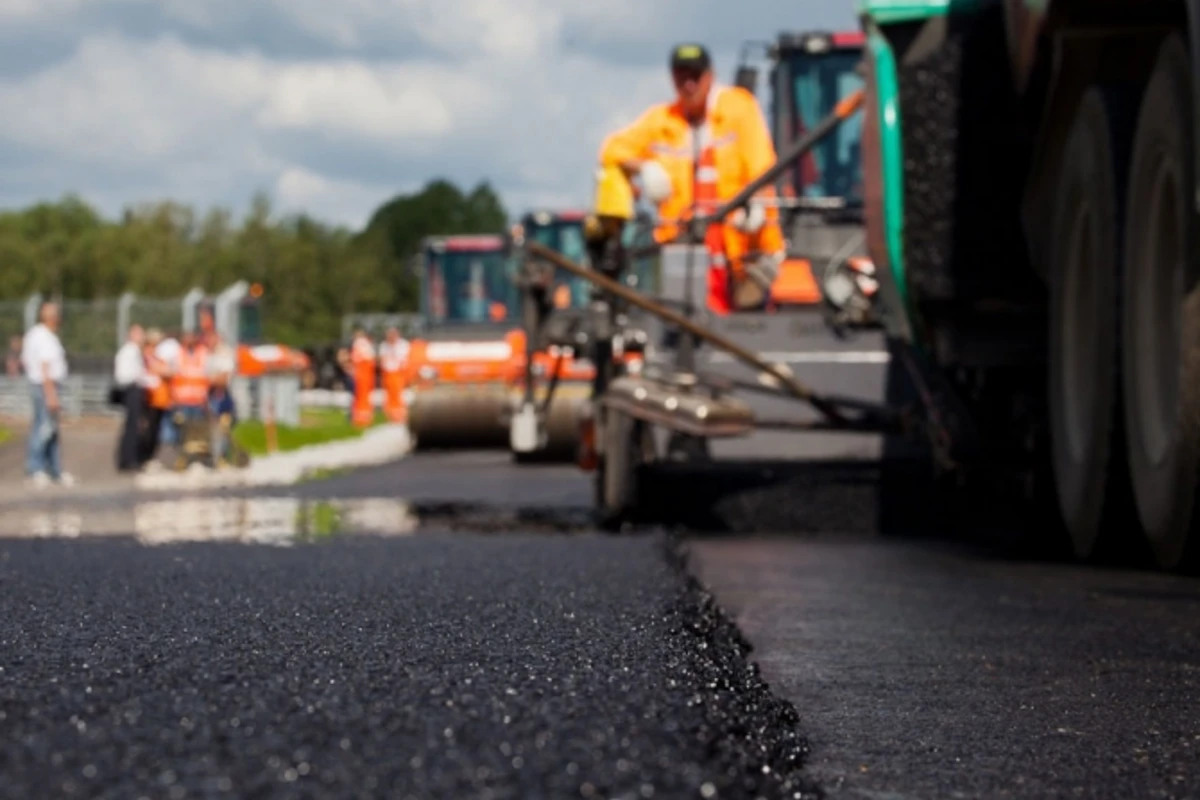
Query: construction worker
pixel 393 358
pixel 189 384
pixel 362 364
pixel 713 139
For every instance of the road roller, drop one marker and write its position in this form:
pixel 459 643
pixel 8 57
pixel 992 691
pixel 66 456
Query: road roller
pixel 461 368
pixel 559 371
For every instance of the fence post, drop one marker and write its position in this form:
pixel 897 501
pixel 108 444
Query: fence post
pixel 32 306
pixel 188 307
pixel 123 307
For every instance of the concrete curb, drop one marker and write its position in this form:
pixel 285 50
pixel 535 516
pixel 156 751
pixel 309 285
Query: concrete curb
pixel 378 445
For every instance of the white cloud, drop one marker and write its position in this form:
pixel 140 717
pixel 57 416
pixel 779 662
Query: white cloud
pixel 520 92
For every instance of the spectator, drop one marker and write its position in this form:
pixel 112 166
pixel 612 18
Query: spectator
pixel 45 365
pixel 129 373
pixel 167 352
pixel 158 397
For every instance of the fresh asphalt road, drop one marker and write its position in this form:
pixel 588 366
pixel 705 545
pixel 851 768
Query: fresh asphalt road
pixel 479 640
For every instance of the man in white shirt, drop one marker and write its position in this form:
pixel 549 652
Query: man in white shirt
pixel 129 374
pixel 45 365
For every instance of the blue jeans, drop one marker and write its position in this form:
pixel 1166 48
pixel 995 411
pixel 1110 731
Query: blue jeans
pixel 44 453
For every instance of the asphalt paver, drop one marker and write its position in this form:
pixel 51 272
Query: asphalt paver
pixel 430 665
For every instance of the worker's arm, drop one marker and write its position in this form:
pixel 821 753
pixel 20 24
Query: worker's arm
pixel 630 146
pixel 758 156
pixel 49 389
pixel 757 148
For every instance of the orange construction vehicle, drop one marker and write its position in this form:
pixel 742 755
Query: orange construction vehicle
pixel 461 368
pixel 236 314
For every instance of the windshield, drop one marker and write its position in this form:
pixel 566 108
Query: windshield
pixel 834 167
pixel 565 238
pixel 470 287
pixel 250 324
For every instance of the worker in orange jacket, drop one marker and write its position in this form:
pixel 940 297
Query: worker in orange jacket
pixel 705 147
pixel 393 358
pixel 362 364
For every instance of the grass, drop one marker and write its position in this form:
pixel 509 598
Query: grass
pixel 317 426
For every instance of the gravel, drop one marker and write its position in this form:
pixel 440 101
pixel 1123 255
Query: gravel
pixel 452 665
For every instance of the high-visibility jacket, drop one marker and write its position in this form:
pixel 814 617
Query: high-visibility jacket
pixel 393 357
pixel 735 148
pixel 189 385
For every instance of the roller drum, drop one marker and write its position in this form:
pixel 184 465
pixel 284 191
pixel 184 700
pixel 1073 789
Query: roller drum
pixel 459 416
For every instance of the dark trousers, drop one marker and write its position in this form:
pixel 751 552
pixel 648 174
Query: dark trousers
pixel 128 450
pixel 151 430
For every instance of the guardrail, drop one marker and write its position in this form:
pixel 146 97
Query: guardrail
pixel 87 395
pixel 82 395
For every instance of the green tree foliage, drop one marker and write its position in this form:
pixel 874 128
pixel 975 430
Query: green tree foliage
pixel 312 273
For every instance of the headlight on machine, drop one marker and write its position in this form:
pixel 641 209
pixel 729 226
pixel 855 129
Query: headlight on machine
pixel 427 373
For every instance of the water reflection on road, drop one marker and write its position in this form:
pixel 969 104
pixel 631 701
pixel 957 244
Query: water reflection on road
pixel 255 520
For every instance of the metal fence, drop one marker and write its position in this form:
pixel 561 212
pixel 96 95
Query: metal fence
pixel 82 395
pixel 376 325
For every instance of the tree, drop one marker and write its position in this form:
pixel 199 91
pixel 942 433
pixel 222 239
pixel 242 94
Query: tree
pixel 312 273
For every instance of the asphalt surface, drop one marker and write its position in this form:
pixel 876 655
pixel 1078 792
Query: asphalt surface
pixel 450 665
pixel 451 626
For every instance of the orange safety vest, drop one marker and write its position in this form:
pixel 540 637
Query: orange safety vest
pixel 738 150
pixel 189 385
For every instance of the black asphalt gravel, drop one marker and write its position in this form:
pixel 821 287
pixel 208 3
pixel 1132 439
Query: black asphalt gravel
pixel 436 665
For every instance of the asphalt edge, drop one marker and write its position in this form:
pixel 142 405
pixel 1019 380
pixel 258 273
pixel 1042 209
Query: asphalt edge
pixel 755 736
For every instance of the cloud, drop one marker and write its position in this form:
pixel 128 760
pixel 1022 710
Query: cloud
pixel 334 111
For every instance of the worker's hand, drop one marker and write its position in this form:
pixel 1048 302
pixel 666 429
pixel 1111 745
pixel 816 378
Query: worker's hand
pixel 656 183
pixel 749 222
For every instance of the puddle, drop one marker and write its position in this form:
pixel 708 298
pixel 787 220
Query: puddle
pixel 252 520
pixel 286 520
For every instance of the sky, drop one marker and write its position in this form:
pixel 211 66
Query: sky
pixel 332 107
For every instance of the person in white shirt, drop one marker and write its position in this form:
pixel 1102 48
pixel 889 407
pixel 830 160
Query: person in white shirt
pixel 45 364
pixel 129 374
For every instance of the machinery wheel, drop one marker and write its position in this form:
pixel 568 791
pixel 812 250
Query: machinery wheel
pixel 1161 317
pixel 625 450
pixel 1088 459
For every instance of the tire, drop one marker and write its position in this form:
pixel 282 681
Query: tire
pixel 628 446
pixel 1087 455
pixel 1161 320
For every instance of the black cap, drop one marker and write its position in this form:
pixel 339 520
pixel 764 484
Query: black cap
pixel 690 57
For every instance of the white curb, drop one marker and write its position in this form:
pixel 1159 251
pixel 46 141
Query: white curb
pixel 377 445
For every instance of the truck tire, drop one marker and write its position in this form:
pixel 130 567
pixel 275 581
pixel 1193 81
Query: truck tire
pixel 1161 320
pixel 1091 479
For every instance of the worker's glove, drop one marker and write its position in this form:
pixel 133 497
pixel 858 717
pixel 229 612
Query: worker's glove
pixel 656 183
pixel 749 221
pixel 753 291
pixel 765 269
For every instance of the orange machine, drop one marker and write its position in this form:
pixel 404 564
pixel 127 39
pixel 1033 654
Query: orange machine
pixel 462 367
pixel 241 328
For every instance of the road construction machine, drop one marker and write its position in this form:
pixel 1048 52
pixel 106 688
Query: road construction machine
pixel 821 195
pixel 557 370
pixel 1031 196
pixel 236 314
pixel 461 368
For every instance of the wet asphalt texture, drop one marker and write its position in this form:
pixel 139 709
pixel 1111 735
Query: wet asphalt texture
pixel 430 666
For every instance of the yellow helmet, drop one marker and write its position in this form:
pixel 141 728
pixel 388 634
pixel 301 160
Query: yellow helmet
pixel 614 194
